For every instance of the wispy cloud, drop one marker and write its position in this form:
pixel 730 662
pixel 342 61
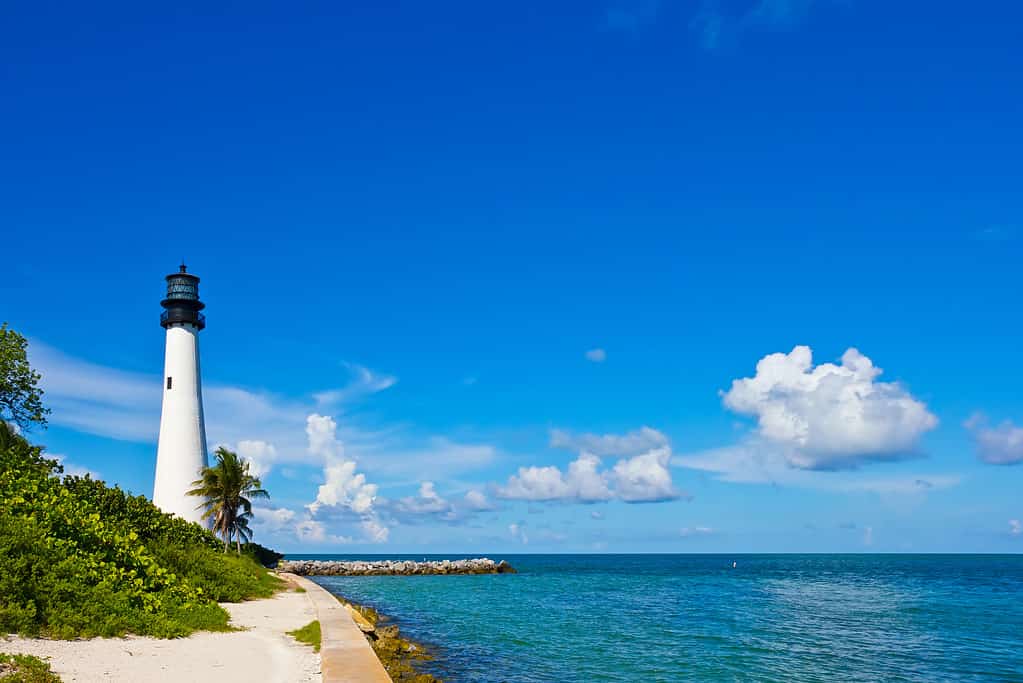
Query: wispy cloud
pixel 596 355
pixel 124 405
pixel 271 431
pixel 757 462
pixel 95 399
pixel 720 26
pixel 517 530
pixel 631 15
pixel 362 383
pixel 631 443
pixel 996 233
pixel 1001 444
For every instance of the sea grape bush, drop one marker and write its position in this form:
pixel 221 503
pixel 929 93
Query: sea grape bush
pixel 80 558
pixel 145 519
pixel 25 669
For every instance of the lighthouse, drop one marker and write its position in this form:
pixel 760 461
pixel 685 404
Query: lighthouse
pixel 181 452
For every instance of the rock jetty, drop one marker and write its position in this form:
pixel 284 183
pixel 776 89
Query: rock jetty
pixel 481 565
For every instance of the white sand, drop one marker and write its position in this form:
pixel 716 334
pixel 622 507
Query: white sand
pixel 263 652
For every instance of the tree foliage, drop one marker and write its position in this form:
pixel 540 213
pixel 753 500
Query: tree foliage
pixel 227 489
pixel 21 399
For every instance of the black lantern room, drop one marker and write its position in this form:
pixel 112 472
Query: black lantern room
pixel 182 302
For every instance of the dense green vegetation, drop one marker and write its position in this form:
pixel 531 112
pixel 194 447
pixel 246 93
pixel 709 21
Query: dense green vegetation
pixel 25 669
pixel 265 556
pixel 80 558
pixel 308 634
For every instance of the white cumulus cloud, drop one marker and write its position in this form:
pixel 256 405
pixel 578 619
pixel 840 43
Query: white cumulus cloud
pixel 344 489
pixel 830 416
pixel 536 483
pixel 644 477
pixel 259 454
pixel 274 519
pixel 596 355
pixel 427 502
pixel 477 500
pixel 1015 527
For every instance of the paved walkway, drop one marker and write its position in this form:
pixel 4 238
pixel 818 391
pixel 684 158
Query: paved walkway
pixel 345 654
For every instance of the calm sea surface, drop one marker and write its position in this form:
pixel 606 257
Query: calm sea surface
pixel 582 618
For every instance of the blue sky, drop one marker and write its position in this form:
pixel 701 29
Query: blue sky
pixel 480 278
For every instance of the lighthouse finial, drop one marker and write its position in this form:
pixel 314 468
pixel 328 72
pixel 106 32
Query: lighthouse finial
pixel 184 268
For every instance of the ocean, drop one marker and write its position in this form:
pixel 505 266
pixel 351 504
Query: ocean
pixel 583 618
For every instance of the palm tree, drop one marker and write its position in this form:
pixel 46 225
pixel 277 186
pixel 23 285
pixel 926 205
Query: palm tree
pixel 227 490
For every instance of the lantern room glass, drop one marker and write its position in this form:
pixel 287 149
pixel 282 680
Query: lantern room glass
pixel 182 288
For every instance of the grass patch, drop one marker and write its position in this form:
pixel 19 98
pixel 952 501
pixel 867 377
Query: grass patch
pixel 25 669
pixel 299 589
pixel 308 634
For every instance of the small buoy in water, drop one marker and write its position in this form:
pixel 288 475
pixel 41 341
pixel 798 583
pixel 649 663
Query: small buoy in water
pixel 733 565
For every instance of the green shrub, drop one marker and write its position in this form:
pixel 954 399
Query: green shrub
pixel 79 558
pixel 265 556
pixel 224 577
pixel 25 669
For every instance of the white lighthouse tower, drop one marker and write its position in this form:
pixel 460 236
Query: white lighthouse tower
pixel 181 453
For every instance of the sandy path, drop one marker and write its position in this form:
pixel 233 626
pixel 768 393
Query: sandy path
pixel 263 652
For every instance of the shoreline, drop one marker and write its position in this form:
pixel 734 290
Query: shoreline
pixel 402 657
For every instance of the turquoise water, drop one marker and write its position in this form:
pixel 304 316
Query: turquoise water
pixel 583 618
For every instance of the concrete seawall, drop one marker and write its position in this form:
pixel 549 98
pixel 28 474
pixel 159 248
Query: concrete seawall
pixel 483 565
pixel 345 654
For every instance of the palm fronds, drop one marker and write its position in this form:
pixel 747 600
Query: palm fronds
pixel 227 490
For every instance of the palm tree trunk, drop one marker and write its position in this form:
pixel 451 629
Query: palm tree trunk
pixel 238 545
pixel 226 530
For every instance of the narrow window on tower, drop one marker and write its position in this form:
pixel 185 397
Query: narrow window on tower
pixel 168 382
